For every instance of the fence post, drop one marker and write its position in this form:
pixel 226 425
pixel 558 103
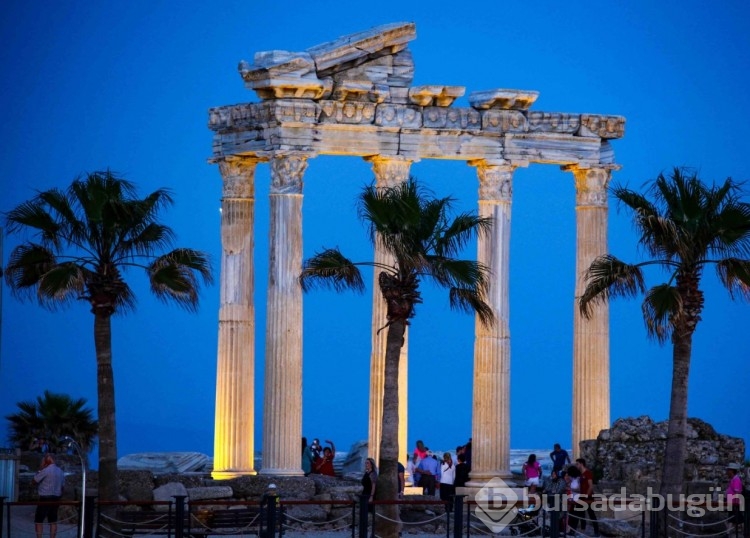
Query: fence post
pixel 2 511
pixel 458 515
pixel 88 517
pixel 653 522
pixel 272 503
pixel 363 514
pixel 179 516
pixel 554 521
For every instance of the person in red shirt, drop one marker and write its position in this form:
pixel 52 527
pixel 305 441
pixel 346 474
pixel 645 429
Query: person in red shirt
pixel 324 465
pixel 587 496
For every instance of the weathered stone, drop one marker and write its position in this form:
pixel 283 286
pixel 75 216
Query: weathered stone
pixel 442 96
pixel 355 459
pixel 390 115
pixel 631 454
pixel 456 119
pixel 348 112
pixel 553 122
pixel 503 98
pixel 167 492
pixel 136 485
pixel 600 126
pixel 504 121
pixel 210 492
pixel 163 462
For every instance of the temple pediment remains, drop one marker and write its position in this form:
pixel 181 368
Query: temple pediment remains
pixel 354 96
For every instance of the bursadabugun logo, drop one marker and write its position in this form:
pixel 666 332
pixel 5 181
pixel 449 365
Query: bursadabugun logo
pixel 496 505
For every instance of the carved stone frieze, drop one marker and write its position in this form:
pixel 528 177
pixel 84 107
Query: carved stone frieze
pixel 287 172
pixel 238 176
pixel 360 90
pixel 504 121
pixel 391 115
pixel 435 95
pixel 259 115
pixel 495 180
pixel 451 118
pixel 352 112
pixel 601 126
pixel 503 98
pixel 553 122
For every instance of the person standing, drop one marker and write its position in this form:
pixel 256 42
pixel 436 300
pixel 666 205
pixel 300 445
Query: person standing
pixel 733 492
pixel 587 495
pixel 307 457
pixel 462 471
pixel 50 479
pixel 429 472
pixel 369 480
pixel 560 458
pixel 447 478
pixel 532 472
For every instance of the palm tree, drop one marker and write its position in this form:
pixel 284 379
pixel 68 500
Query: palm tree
pixel 685 227
pixel 86 236
pixel 53 416
pixel 416 230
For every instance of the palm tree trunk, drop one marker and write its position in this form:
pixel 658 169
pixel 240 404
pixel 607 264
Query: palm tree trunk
pixel 387 486
pixel 675 451
pixel 105 384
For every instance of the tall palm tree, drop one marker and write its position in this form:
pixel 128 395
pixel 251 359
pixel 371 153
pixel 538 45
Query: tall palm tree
pixel 417 230
pixel 53 416
pixel 685 226
pixel 85 237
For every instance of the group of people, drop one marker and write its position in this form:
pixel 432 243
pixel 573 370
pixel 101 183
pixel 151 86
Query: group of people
pixel 443 475
pixel 316 459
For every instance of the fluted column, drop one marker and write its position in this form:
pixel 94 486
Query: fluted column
pixel 389 172
pixel 282 399
pixel 491 397
pixel 591 336
pixel 235 394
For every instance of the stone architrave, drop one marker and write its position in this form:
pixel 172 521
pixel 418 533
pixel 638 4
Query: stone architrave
pixel 491 397
pixel 282 398
pixel 590 336
pixel 235 396
pixel 389 172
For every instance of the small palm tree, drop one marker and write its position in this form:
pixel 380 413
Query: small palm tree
pixel 85 237
pixel 53 416
pixel 685 227
pixel 417 231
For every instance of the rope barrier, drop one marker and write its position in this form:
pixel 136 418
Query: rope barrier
pixel 682 532
pixel 410 522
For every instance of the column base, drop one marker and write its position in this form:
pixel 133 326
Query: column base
pixel 281 472
pixel 226 475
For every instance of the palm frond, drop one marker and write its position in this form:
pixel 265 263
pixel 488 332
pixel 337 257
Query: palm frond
pixel 470 301
pixel 609 277
pixel 174 276
pixel 331 269
pixel 734 274
pixel 660 304
pixel 462 229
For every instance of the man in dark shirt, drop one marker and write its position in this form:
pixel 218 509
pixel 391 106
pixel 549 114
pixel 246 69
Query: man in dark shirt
pixel 560 458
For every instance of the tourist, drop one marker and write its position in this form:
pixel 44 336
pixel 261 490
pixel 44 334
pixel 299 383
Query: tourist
pixel 462 471
pixel 411 468
pixel 554 486
pixel 733 493
pixel 467 451
pixel 420 450
pixel 560 458
pixel 447 478
pixel 429 471
pixel 50 479
pixel 369 480
pixel 587 495
pixel 401 479
pixel 532 472
pixel 573 480
pixel 316 449
pixel 324 464
pixel 307 457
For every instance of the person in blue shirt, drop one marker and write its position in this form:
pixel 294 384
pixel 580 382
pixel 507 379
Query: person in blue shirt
pixel 429 471
pixel 560 458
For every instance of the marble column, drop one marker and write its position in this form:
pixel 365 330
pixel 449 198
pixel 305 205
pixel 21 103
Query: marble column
pixel 389 172
pixel 491 398
pixel 282 399
pixel 235 394
pixel 591 336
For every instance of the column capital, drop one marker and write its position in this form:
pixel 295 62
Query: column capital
pixel 390 171
pixel 591 183
pixel 495 179
pixel 238 175
pixel 287 171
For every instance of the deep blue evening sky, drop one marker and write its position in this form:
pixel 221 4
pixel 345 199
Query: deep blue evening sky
pixel 127 85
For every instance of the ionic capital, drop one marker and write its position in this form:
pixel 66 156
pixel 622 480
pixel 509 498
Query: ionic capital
pixel 390 171
pixel 495 179
pixel 287 171
pixel 591 184
pixel 238 176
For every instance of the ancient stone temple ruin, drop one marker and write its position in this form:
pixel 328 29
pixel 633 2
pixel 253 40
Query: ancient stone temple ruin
pixel 353 97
